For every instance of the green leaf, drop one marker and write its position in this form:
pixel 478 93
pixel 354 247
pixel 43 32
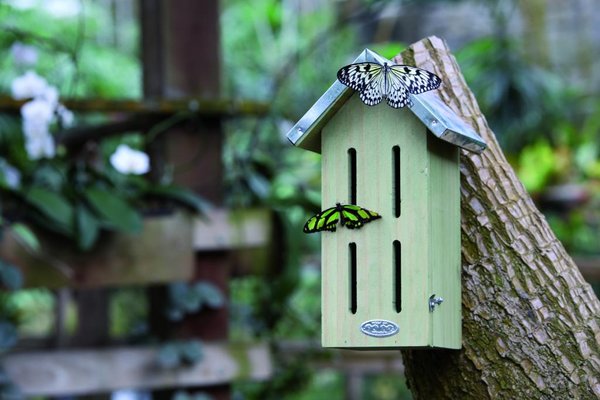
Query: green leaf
pixel 53 206
pixel 190 351
pixel 181 395
pixel 182 196
pixel 168 356
pixel 184 298
pixel 259 185
pixel 87 227
pixel 210 294
pixel 8 335
pixel 49 177
pixel 10 391
pixel 114 210
pixel 10 276
pixel 26 235
pixel 388 49
pixel 202 396
pixel 537 163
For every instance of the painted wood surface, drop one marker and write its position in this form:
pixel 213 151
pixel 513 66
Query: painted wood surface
pixel 373 131
pixel 444 242
pixel 72 372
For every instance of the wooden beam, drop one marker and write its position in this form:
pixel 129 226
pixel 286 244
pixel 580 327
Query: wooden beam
pixel 201 106
pixel 248 236
pixel 79 372
pixel 81 134
pixel 224 229
pixel 162 252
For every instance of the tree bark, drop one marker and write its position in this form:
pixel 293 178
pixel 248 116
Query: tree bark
pixel 530 321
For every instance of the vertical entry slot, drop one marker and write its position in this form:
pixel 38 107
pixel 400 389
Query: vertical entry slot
pixel 352 267
pixel 397 276
pixel 352 176
pixel 396 180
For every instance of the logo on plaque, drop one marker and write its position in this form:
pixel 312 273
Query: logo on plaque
pixel 379 328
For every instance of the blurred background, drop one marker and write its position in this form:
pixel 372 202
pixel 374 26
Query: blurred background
pixel 151 239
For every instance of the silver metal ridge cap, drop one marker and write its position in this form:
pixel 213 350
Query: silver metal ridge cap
pixel 444 123
pixel 430 110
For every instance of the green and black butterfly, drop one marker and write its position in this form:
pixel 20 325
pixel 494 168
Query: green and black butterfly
pixel 348 215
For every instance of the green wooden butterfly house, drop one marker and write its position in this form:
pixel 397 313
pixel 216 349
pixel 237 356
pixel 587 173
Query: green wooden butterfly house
pixel 395 282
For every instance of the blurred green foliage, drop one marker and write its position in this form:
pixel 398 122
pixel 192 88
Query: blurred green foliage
pixel 76 54
pixel 76 193
pixel 128 309
pixel 522 101
pixel 549 130
pixel 187 298
pixel 178 353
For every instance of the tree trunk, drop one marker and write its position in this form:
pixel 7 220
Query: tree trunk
pixel 530 321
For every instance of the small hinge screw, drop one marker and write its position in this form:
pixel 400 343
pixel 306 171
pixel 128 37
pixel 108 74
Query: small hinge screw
pixel 434 301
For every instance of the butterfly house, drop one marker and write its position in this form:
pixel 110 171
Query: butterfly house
pixel 390 224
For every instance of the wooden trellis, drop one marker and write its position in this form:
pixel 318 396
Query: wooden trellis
pixel 177 38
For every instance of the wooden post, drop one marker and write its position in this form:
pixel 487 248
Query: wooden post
pixel 181 59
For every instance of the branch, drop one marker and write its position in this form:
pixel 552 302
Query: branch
pixel 75 137
pixel 199 106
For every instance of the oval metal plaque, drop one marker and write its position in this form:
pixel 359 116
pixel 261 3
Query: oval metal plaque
pixel 379 328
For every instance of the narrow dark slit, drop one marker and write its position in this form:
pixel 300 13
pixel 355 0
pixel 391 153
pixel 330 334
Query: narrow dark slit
pixel 397 276
pixel 396 179
pixel 352 176
pixel 352 266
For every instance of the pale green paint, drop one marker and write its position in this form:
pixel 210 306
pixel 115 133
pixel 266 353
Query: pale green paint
pixel 444 239
pixel 373 132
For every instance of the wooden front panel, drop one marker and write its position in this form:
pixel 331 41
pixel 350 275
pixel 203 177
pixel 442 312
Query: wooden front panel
pixel 373 132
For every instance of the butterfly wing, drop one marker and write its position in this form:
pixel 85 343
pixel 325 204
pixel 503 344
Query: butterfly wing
pixel 355 216
pixel 357 76
pixel 373 92
pixel 398 95
pixel 416 80
pixel 326 220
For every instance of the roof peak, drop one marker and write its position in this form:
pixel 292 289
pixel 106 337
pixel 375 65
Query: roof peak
pixel 428 107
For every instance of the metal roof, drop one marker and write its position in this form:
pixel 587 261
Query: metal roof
pixel 428 107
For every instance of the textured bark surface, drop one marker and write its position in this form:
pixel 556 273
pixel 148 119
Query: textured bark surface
pixel 530 321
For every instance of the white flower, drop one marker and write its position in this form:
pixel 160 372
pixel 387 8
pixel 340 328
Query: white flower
pixel 12 176
pixel 28 86
pixel 39 143
pixel 65 115
pixel 40 147
pixel 38 111
pixel 37 115
pixel 35 129
pixel 50 95
pixel 129 161
pixel 23 54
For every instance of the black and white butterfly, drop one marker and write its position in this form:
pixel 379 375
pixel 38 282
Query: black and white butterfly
pixel 392 82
